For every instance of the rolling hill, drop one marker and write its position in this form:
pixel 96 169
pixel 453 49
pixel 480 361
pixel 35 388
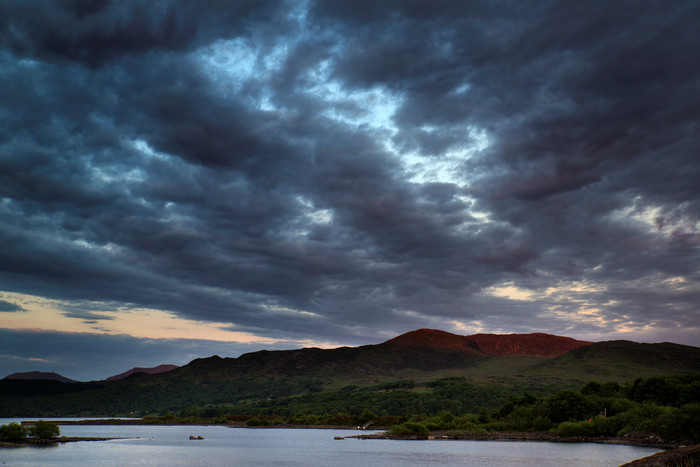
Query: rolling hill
pixel 493 366
pixel 149 371
pixel 39 375
pixel 493 345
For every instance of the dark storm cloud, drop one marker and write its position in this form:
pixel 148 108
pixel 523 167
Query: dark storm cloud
pixel 95 32
pixel 267 164
pixel 9 307
pixel 86 311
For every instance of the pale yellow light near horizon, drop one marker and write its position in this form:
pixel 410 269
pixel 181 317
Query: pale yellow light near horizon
pixel 510 291
pixel 565 289
pixel 42 314
pixel 571 290
pixel 474 327
pixel 585 303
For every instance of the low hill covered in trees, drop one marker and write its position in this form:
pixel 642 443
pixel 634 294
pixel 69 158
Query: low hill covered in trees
pixel 424 371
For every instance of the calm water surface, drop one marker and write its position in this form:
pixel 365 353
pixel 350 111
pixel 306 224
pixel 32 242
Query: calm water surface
pixel 170 445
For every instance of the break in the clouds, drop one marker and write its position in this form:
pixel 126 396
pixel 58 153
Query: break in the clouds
pixel 341 172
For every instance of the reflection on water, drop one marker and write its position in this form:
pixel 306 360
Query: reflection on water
pixel 170 445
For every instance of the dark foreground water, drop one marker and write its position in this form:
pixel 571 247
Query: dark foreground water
pixel 170 445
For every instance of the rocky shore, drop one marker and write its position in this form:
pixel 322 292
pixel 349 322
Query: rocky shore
pixel 649 441
pixel 673 456
pixel 685 456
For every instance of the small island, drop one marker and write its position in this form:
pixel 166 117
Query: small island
pixel 40 433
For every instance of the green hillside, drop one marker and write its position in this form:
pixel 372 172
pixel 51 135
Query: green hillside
pixel 392 376
pixel 621 361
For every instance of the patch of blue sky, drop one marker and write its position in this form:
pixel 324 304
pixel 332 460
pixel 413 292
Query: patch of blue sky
pixel 229 63
pixel 447 167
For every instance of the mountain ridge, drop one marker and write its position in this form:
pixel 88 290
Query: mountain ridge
pixel 149 371
pixel 39 375
pixel 494 366
pixel 422 349
pixel 536 344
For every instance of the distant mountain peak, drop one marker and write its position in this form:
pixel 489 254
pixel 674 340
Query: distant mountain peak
pixel 536 344
pixel 434 338
pixel 150 371
pixel 40 375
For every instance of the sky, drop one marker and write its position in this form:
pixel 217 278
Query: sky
pixel 180 179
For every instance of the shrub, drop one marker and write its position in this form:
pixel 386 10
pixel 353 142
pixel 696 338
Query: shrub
pixel 342 419
pixel 484 415
pixel 541 423
pixel 638 419
pixel 303 419
pixel 592 387
pixel 515 401
pixel 44 430
pixel 520 419
pixel 668 422
pixel 12 432
pixel 617 406
pixel 607 389
pixel 570 429
pixel 569 405
pixel 367 415
pixel 598 426
pixel 470 428
pixel 689 394
pixel 476 430
pixel 607 426
pixel 688 417
pixel 409 428
pixel 446 416
pixel 257 421
pixel 497 426
pixel 432 425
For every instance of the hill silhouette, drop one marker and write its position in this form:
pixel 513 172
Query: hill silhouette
pixel 537 344
pixel 497 364
pixel 39 375
pixel 138 369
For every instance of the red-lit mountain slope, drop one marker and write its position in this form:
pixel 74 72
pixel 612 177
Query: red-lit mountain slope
pixel 149 371
pixel 536 344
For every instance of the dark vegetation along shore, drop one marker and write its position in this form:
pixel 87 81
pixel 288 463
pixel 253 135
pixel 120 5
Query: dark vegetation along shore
pixel 39 433
pixel 49 441
pixel 659 411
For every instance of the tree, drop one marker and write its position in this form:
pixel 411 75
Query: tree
pixel 44 430
pixel 592 387
pixel 12 432
pixel 367 415
pixel 569 405
pixel 484 415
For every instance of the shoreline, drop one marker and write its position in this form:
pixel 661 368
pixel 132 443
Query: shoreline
pixel 675 454
pixel 51 441
pixel 647 441
pixel 526 436
pixel 140 422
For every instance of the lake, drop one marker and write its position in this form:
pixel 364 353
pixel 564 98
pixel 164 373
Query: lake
pixel 170 445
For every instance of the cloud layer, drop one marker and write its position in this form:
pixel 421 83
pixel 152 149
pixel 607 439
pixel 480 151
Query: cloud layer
pixel 345 171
